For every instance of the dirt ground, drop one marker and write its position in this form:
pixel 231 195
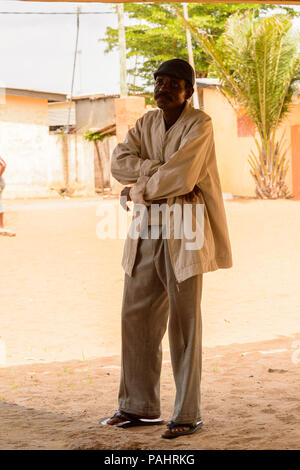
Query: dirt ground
pixel 61 292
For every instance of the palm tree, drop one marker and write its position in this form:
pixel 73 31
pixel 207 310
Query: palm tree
pixel 257 62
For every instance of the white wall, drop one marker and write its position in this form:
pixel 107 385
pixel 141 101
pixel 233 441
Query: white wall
pixel 34 157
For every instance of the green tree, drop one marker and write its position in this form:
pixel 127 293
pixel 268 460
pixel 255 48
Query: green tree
pixel 258 64
pixel 158 34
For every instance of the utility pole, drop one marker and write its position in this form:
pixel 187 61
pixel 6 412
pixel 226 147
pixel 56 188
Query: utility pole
pixel 65 139
pixel 79 84
pixel 122 50
pixel 74 67
pixel 190 52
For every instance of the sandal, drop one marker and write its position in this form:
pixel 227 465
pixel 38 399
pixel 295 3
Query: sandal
pixel 129 420
pixel 171 425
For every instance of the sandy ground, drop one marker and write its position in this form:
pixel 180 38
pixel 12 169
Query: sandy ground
pixel 61 292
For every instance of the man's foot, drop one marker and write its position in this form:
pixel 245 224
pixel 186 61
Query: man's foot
pixel 125 420
pixel 6 232
pixel 121 416
pixel 176 429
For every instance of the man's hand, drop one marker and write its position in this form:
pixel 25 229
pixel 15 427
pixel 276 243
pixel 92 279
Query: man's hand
pixel 125 197
pixel 191 197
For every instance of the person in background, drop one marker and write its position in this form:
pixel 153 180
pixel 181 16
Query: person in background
pixel 3 231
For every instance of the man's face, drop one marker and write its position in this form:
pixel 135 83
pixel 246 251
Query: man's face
pixel 170 92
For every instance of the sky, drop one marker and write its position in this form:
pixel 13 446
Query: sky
pixel 37 51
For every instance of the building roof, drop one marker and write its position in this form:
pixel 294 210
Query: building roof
pixel 46 95
pixel 94 96
pixel 207 82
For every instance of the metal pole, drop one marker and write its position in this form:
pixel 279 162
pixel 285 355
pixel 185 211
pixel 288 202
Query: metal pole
pixel 122 50
pixel 190 52
pixel 74 68
pixel 79 53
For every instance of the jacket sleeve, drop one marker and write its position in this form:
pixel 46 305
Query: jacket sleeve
pixel 184 169
pixel 127 163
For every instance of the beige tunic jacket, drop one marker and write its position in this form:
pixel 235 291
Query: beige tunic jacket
pixel 168 164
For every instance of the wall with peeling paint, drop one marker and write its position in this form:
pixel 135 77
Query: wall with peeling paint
pixel 34 157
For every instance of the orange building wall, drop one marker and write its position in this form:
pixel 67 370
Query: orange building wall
pixel 22 109
pixel 295 141
pixel 233 151
pixel 128 110
pixel 293 120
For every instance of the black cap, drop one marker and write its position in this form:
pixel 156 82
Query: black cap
pixel 177 68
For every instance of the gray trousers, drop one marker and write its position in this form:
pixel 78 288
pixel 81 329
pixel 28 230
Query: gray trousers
pixel 150 296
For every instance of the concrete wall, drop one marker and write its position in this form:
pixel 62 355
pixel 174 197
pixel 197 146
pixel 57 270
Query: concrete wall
pixel 127 111
pixel 33 156
pixel 295 141
pixel 233 150
pixel 58 114
pixel 291 126
pixel 76 164
pixel 24 141
pixel 105 149
pixel 97 113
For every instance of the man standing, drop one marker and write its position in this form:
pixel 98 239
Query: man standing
pixel 169 157
pixel 3 231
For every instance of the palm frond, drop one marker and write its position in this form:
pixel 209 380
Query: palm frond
pixel 257 62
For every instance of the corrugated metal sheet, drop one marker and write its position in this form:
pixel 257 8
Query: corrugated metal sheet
pixel 58 114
